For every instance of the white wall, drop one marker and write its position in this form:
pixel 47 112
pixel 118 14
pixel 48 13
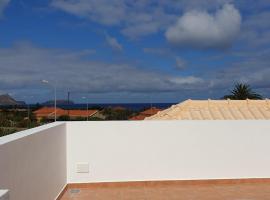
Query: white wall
pixel 37 163
pixel 168 150
pixel 4 195
pixel 33 162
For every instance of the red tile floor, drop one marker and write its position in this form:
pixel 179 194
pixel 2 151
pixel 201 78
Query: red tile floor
pixel 249 189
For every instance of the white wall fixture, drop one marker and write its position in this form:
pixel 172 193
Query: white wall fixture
pixel 82 167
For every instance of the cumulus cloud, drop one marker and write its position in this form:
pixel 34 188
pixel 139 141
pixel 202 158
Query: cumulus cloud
pixel 106 12
pixel 135 18
pixel 24 65
pixel 113 43
pixel 199 29
pixel 3 5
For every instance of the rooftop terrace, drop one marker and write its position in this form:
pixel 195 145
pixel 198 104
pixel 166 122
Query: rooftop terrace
pixel 172 190
pixel 203 160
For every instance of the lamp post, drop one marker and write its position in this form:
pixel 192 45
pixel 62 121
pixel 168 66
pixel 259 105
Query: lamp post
pixel 86 106
pixel 54 86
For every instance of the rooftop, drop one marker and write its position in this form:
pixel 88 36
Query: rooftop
pixel 172 190
pixel 173 160
pixel 216 110
pixel 49 112
pixel 146 113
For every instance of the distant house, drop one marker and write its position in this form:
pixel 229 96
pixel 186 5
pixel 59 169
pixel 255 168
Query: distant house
pixel 118 108
pixel 138 117
pixel 81 113
pixel 147 113
pixel 216 110
pixel 48 112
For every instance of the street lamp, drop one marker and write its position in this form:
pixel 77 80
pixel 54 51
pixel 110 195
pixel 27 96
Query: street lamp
pixel 86 106
pixel 54 86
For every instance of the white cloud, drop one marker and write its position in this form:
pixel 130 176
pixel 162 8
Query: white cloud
pixel 187 80
pixel 203 5
pixel 113 43
pixel 199 29
pixel 24 65
pixel 3 5
pixel 135 18
pixel 106 12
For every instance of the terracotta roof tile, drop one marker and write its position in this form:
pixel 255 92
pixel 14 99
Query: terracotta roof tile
pixel 49 111
pixel 151 111
pixel 138 117
pixel 81 113
pixel 147 113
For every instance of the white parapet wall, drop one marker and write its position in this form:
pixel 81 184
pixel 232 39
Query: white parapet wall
pixel 4 195
pixel 38 163
pixel 33 163
pixel 167 150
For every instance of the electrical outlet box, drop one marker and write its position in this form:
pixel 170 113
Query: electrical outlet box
pixel 82 167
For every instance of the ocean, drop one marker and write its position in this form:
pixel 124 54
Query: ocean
pixel 131 106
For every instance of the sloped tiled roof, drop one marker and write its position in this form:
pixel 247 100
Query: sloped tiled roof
pixel 216 110
pixel 118 108
pixel 81 113
pixel 147 113
pixel 49 111
pixel 151 111
pixel 138 117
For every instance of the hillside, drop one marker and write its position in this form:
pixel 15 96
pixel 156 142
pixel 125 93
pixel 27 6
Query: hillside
pixel 6 100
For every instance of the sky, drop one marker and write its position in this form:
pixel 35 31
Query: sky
pixel 130 51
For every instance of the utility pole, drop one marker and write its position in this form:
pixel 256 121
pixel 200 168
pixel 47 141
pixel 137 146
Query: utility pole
pixel 68 101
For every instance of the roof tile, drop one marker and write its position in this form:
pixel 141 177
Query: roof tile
pixel 216 110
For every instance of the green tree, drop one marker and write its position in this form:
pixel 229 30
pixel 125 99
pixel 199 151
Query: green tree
pixel 242 92
pixel 64 118
pixel 44 120
pixel 112 114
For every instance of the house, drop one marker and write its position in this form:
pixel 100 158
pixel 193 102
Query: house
pixel 119 108
pixel 146 113
pixel 81 113
pixel 216 110
pixel 138 117
pixel 48 112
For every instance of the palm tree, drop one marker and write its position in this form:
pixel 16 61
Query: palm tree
pixel 241 92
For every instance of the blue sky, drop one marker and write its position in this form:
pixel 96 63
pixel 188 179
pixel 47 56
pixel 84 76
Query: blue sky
pixel 133 50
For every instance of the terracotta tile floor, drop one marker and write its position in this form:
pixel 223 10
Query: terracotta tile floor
pixel 171 190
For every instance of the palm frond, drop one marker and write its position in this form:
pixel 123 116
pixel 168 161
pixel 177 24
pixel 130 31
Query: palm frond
pixel 242 92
